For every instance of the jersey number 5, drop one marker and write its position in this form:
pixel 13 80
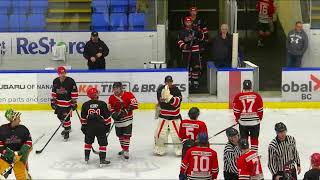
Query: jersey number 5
pixel 189 132
pixel 245 102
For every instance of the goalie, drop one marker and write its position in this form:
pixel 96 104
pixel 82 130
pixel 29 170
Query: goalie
pixel 15 146
pixel 169 100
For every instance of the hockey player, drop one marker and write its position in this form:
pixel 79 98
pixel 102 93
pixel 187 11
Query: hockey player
pixel 199 24
pixel 248 111
pixel 266 10
pixel 190 128
pixel 169 98
pixel 249 164
pixel 189 41
pixel 64 99
pixel 15 146
pixel 200 162
pixel 231 154
pixel 95 120
pixel 314 172
pixel 123 103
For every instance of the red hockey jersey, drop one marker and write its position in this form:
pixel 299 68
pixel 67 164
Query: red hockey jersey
pixel 266 10
pixel 117 103
pixel 248 108
pixel 200 163
pixel 249 166
pixel 189 129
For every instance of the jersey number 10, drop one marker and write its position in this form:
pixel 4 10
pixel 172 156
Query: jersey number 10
pixel 201 163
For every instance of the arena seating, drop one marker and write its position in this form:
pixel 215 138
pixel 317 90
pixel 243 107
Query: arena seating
pixel 107 15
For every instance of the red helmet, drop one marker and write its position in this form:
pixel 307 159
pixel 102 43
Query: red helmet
pixel 193 8
pixel 61 70
pixel 92 92
pixel 188 19
pixel 315 159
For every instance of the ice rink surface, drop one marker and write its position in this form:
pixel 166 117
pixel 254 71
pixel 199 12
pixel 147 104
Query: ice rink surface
pixel 65 160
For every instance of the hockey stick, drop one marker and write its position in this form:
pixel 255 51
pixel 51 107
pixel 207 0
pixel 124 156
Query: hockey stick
pixel 97 152
pixel 222 144
pixel 223 130
pixel 40 151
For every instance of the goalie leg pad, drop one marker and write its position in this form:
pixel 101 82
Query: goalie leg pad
pixel 20 171
pixel 161 137
pixel 174 133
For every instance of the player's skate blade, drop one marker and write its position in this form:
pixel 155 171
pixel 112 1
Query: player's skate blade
pixel 103 163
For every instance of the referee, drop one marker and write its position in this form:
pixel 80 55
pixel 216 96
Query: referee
pixel 283 155
pixel 231 154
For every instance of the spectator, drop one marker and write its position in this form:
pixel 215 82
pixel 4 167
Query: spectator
pixel 222 48
pixel 266 10
pixel 95 52
pixel 297 44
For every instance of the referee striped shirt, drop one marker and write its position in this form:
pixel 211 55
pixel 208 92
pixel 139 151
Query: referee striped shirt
pixel 282 154
pixel 230 156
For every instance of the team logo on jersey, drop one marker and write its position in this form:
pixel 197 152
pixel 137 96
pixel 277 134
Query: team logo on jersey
pixel 13 140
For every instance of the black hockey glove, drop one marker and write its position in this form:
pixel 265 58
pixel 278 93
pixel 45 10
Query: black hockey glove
pixel 182 176
pixel 188 143
pixel 84 129
pixel 123 113
pixel 74 106
pixel 130 108
pixel 53 104
pixel 116 116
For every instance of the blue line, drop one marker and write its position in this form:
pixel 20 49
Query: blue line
pixel 235 69
pixel 301 69
pixel 96 71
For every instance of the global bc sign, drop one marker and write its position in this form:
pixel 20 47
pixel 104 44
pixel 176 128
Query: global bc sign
pixel 305 90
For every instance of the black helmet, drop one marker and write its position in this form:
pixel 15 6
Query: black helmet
pixel 247 85
pixel 280 127
pixel 231 132
pixel 117 85
pixel 194 113
pixel 243 143
pixel 203 138
pixel 168 79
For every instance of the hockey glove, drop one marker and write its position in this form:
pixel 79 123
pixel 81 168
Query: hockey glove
pixel 8 155
pixel 123 113
pixel 53 104
pixel 182 176
pixel 84 129
pixel 24 152
pixel 166 95
pixel 115 116
pixel 74 106
pixel 130 108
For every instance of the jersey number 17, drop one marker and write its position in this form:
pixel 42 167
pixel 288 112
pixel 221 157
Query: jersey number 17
pixel 247 105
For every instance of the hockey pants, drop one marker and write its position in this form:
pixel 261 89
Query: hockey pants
pixel 20 169
pixel 166 128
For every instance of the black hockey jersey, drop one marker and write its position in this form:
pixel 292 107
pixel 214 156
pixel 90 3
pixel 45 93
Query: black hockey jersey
pixel 191 38
pixel 64 91
pixel 312 174
pixel 14 138
pixel 170 110
pixel 95 114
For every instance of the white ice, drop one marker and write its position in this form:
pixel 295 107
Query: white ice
pixel 65 160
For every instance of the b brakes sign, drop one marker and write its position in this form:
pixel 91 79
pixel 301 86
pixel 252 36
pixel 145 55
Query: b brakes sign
pixel 301 85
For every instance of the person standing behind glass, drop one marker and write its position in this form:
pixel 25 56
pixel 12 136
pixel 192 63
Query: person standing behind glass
pixel 95 52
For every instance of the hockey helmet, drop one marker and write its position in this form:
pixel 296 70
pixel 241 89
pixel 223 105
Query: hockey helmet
pixel 203 138
pixel 61 70
pixel 231 132
pixel 194 113
pixel 243 143
pixel 315 159
pixel 117 85
pixel 92 92
pixel 193 8
pixel 280 127
pixel 247 85
pixel 11 114
pixel 168 79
